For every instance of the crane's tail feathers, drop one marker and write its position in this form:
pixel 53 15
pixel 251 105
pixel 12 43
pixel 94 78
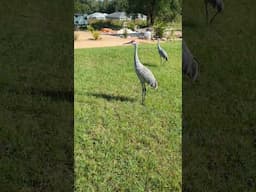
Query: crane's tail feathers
pixel 154 85
pixel 196 60
pixel 196 69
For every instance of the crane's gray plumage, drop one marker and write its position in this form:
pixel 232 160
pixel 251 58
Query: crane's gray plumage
pixel 162 52
pixel 144 74
pixel 216 4
pixel 190 65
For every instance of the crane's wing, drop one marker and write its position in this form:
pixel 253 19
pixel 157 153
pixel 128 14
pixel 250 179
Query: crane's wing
pixel 194 69
pixel 219 5
pixel 163 53
pixel 148 77
pixel 190 65
pixel 187 59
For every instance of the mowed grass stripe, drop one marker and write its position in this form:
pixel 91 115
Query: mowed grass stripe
pixel 120 144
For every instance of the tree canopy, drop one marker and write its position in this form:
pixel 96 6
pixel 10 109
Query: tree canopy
pixel 156 10
pixel 163 10
pixel 107 6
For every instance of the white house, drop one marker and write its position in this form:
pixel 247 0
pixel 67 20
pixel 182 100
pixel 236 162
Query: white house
pixel 80 20
pixel 117 16
pixel 138 16
pixel 97 16
pixel 142 17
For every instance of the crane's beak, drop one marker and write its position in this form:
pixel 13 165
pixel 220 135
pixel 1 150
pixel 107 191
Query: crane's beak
pixel 129 42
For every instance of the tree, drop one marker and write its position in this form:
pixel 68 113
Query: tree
pixel 169 10
pixel 147 7
pixel 162 9
pixel 108 6
pixel 116 5
pixel 80 7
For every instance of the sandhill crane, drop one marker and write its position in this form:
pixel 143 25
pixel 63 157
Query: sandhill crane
pixel 190 65
pixel 216 4
pixel 162 52
pixel 144 74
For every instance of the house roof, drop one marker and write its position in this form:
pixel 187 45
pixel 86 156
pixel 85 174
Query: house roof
pixel 97 15
pixel 117 15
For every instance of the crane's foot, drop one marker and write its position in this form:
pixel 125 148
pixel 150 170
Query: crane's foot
pixel 143 101
pixel 211 21
pixel 214 17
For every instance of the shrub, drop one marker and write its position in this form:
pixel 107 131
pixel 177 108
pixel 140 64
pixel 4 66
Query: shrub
pixel 90 28
pixel 140 23
pixel 159 29
pixel 131 25
pixel 96 35
pixel 116 24
pixel 99 24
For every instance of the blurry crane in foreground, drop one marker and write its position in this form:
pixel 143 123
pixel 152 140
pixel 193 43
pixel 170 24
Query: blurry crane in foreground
pixel 162 52
pixel 216 4
pixel 144 74
pixel 190 65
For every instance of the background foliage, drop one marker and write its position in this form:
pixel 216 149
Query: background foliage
pixel 164 10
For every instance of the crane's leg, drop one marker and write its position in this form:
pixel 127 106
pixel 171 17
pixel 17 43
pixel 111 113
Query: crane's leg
pixel 164 61
pixel 214 17
pixel 143 93
pixel 206 10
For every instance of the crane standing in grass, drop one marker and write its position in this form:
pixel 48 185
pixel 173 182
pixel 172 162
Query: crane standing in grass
pixel 144 74
pixel 216 4
pixel 162 52
pixel 190 65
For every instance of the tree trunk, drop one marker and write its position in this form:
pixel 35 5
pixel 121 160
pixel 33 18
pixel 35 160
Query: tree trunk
pixel 150 19
pixel 151 12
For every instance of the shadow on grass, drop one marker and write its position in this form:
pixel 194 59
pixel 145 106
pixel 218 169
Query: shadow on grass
pixel 151 65
pixel 190 23
pixel 110 97
pixel 56 95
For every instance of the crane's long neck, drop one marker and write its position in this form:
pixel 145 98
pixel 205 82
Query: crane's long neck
pixel 136 57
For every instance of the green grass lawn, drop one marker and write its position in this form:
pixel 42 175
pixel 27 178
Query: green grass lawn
pixel 227 66
pixel 36 94
pixel 121 145
pixel 219 110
